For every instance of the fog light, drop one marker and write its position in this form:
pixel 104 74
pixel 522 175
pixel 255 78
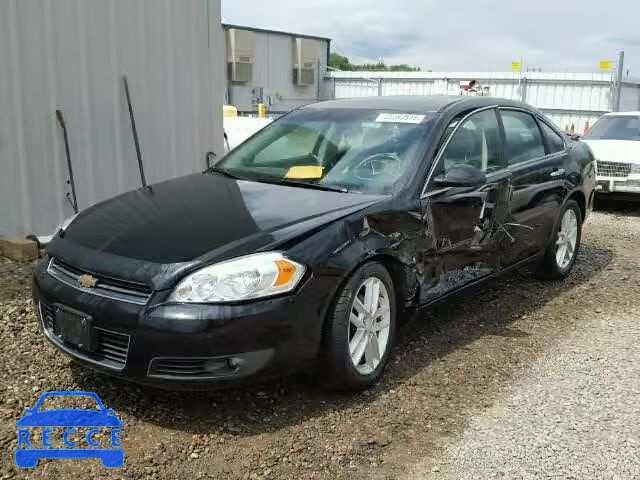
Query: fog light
pixel 215 366
pixel 234 363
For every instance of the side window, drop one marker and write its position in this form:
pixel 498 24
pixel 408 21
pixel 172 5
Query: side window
pixel 477 143
pixel 554 140
pixel 524 140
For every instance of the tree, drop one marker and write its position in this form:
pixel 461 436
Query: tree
pixel 340 62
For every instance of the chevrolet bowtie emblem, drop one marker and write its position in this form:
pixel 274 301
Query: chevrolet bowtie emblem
pixel 87 281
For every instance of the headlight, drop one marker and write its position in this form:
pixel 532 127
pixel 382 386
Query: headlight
pixel 635 168
pixel 64 225
pixel 245 278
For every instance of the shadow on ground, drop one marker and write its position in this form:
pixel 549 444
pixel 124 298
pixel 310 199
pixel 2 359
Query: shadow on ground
pixel 619 204
pixel 428 336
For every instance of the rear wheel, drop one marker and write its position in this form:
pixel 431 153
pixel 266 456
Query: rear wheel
pixel 359 331
pixel 562 252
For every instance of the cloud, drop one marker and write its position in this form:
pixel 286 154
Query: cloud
pixel 460 35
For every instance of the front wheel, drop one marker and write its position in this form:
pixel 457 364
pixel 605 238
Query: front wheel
pixel 359 332
pixel 563 250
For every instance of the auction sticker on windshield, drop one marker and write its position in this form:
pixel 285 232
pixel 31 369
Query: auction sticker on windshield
pixel 400 118
pixel 69 433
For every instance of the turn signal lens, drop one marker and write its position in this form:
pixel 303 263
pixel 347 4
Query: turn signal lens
pixel 286 272
pixel 245 278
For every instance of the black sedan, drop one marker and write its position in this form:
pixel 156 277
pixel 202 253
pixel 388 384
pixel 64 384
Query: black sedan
pixel 306 245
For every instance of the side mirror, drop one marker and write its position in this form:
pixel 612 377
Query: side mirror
pixel 462 176
pixel 29 411
pixel 108 411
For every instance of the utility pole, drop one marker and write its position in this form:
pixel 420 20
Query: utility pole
pixel 618 87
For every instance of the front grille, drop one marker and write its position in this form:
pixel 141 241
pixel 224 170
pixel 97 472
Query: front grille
pixel 192 368
pixel 111 347
pixel 48 317
pixel 117 289
pixel 613 169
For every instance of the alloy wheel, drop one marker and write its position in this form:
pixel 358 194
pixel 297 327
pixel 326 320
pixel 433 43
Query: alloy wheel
pixel 369 323
pixel 567 239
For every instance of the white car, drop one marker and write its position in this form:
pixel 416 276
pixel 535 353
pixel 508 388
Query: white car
pixel 615 142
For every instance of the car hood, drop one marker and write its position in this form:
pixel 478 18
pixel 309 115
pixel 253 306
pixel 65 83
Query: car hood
pixel 196 219
pixel 69 418
pixel 625 151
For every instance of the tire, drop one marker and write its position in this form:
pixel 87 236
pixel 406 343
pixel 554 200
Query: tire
pixel 337 370
pixel 550 268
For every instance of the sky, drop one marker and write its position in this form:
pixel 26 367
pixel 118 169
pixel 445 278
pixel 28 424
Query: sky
pixel 463 35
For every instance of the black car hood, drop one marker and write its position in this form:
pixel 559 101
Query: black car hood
pixel 198 218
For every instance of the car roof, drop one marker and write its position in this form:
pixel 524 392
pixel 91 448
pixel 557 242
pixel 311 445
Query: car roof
pixel 622 114
pixel 417 103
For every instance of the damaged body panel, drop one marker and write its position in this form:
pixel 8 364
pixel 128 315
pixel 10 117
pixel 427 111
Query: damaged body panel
pixel 444 192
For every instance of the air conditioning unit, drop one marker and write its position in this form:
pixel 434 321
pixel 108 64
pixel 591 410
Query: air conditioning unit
pixel 306 55
pixel 304 74
pixel 240 55
pixel 240 68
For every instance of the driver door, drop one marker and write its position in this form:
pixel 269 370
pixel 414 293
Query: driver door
pixel 464 224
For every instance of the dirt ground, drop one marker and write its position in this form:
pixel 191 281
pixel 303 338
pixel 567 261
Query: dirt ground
pixel 451 363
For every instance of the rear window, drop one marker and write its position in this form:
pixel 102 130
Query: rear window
pixel 615 128
pixel 554 140
pixel 524 140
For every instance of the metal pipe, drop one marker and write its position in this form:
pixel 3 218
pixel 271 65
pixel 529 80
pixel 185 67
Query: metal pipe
pixel 618 88
pixel 74 200
pixel 226 141
pixel 143 180
pixel 208 157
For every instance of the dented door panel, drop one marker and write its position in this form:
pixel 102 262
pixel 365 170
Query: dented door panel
pixel 535 201
pixel 467 234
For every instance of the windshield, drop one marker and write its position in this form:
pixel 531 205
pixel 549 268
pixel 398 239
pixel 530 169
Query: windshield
pixel 355 150
pixel 615 128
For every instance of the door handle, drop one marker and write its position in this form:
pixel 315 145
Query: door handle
pixel 557 172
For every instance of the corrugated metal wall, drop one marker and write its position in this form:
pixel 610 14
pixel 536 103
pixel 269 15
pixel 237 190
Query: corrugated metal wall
pixel 71 54
pixel 568 98
pixel 273 72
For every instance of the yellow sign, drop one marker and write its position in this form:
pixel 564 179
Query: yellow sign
pixel 606 65
pixel 516 66
pixel 305 172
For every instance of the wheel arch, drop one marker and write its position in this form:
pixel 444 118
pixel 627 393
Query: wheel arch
pixel 405 283
pixel 579 197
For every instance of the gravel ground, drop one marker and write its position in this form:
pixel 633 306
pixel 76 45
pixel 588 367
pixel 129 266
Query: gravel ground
pixel 521 375
pixel 574 414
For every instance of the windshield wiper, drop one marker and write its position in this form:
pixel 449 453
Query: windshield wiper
pixel 316 186
pixel 293 183
pixel 225 172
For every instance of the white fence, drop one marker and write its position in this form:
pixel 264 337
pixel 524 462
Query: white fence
pixel 570 99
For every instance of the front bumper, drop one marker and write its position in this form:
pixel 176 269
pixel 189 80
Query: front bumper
pixel 189 345
pixel 630 184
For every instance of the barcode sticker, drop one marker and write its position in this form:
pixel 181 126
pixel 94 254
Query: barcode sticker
pixel 400 118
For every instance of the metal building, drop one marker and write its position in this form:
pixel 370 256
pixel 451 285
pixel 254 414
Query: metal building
pixel 570 99
pixel 72 55
pixel 280 69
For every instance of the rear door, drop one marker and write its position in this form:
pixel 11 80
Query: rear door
pixel 536 154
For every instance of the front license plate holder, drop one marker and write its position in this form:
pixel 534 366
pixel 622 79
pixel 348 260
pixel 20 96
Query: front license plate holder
pixel 75 328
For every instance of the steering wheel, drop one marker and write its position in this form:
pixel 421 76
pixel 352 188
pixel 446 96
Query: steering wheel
pixel 380 165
